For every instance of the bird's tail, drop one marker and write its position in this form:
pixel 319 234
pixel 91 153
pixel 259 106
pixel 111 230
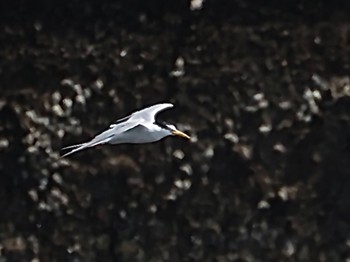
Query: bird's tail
pixel 79 147
pixel 100 139
pixel 75 148
pixel 72 146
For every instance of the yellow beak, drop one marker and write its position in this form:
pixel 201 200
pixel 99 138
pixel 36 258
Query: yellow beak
pixel 181 134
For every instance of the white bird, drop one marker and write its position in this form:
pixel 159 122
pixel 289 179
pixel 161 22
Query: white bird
pixel 139 127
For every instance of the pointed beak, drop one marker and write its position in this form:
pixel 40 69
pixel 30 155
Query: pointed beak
pixel 181 134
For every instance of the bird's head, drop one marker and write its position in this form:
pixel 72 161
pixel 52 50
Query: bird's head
pixel 172 130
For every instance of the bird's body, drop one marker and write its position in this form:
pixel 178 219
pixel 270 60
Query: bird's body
pixel 138 128
pixel 150 133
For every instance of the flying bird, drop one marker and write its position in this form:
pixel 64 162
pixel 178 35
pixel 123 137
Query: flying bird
pixel 137 128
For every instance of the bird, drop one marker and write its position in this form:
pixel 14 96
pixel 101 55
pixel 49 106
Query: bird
pixel 137 128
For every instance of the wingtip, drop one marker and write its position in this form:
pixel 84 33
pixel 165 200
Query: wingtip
pixel 165 103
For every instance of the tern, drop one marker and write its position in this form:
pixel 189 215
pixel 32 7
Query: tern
pixel 138 128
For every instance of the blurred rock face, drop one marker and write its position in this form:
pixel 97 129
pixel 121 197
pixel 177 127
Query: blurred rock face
pixel 263 91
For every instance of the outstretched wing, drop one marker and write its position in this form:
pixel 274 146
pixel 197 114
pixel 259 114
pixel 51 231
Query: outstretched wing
pixel 149 113
pixel 146 114
pixel 119 121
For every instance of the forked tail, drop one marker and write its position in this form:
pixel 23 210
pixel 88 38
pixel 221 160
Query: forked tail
pixel 75 148
pixel 79 147
pixel 100 139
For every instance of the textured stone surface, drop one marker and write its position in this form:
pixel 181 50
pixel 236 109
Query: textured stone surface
pixel 263 90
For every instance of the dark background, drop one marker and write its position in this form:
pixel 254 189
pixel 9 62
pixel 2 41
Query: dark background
pixel 261 86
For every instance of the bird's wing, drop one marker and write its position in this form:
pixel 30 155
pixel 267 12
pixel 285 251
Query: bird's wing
pixel 146 114
pixel 124 119
pixel 121 127
pixel 149 113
